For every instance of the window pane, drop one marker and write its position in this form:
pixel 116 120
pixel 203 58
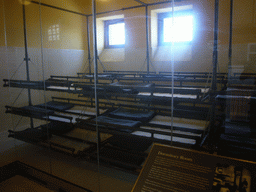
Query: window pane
pixel 180 31
pixel 116 34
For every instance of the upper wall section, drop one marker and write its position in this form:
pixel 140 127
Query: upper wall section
pixel 71 32
pixel 54 28
pixel 2 24
pixel 80 6
pixel 73 27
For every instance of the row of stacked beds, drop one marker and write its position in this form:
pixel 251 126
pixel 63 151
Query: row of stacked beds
pixel 134 111
pixel 236 137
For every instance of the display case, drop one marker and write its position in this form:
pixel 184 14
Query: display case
pixel 98 83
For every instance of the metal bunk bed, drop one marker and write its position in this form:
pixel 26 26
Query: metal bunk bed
pixel 153 130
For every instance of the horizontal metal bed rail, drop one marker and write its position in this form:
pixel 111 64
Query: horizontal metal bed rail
pixel 244 74
pixel 38 114
pixel 47 143
pixel 109 128
pixel 179 109
pixel 129 72
pixel 89 125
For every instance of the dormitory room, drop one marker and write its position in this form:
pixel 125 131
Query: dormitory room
pixel 128 95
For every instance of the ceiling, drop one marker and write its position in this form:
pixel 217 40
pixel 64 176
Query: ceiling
pixel 85 6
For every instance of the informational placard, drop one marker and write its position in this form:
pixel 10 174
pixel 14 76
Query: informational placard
pixel 171 169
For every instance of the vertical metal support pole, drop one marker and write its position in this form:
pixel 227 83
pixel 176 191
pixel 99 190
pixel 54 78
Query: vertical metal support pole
pixel 147 38
pixel 95 69
pixel 230 40
pixel 214 73
pixel 89 44
pixel 89 51
pixel 228 103
pixel 27 59
pixel 215 46
pixel 172 65
pixel 95 59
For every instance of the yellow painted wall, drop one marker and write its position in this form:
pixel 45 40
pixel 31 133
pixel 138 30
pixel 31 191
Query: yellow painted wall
pixel 244 18
pixel 2 24
pixel 80 6
pixel 14 29
pixel 72 27
pixel 244 21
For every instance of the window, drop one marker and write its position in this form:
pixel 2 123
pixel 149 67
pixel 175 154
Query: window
pixel 54 33
pixel 181 31
pixel 114 33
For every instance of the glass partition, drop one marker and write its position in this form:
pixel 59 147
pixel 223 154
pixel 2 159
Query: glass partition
pixel 23 76
pixel 90 87
pixel 239 100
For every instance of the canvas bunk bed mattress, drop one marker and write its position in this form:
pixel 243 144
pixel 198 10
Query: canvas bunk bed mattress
pixel 62 88
pixel 76 140
pixel 101 76
pixel 127 87
pixel 41 138
pixel 188 78
pixel 167 95
pixel 85 110
pixel 117 124
pixel 34 112
pixel 73 132
pixel 63 119
pixel 168 131
pixel 37 111
pixel 188 89
pixel 129 76
pixel 71 111
pixel 30 134
pixel 200 125
pixel 66 145
pixel 43 111
pixel 42 132
pixel 142 116
pixel 55 105
pixel 61 85
pixel 36 134
pixel 188 137
pixel 87 135
pixel 166 137
pixel 131 85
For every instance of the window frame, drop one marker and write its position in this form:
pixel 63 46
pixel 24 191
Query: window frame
pixel 160 25
pixel 107 23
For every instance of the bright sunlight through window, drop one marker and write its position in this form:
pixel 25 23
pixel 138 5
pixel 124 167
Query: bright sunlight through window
pixel 180 31
pixel 117 34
